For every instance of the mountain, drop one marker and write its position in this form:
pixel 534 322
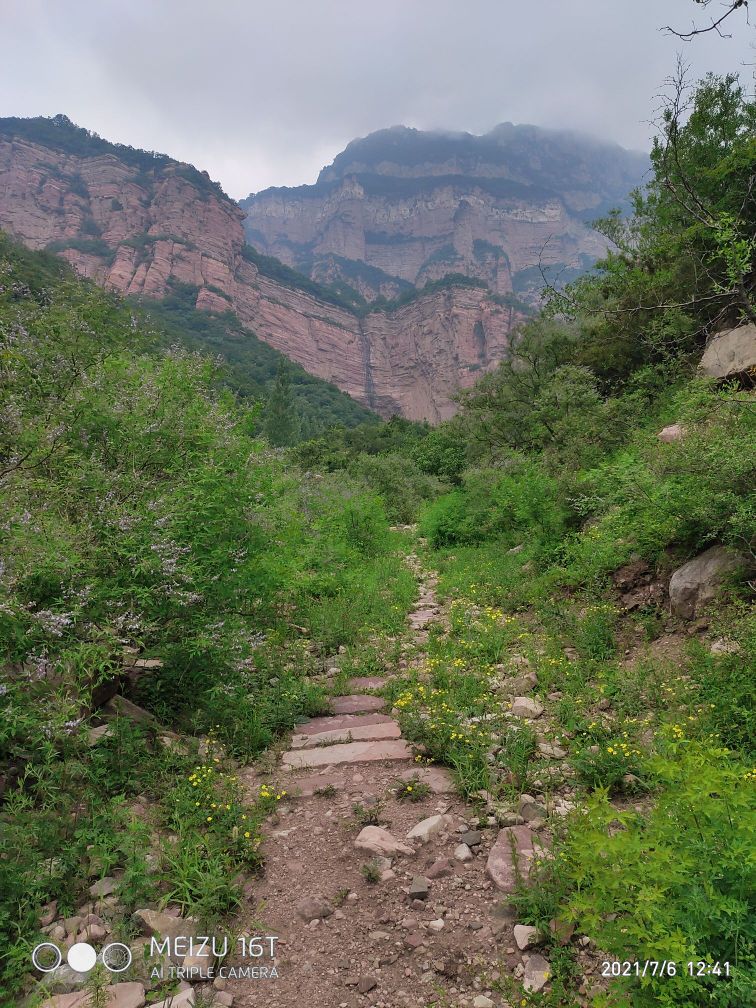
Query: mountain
pixel 149 226
pixel 401 207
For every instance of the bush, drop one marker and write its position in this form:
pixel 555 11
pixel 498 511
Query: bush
pixel 675 885
pixel 521 502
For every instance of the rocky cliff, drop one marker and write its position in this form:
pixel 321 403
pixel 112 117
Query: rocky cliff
pixel 403 206
pixel 142 224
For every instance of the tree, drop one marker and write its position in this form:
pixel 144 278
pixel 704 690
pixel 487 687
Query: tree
pixel 730 7
pixel 280 421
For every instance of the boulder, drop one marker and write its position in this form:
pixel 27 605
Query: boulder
pixel 697 582
pixel 674 432
pixel 730 353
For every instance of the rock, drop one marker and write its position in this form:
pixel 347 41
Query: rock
pixel 511 854
pixel 697 582
pixel 362 733
pixel 437 925
pixel 516 549
pixel 48 914
pixel 473 838
pixel 64 980
pixel 366 983
pixel 530 809
pixel 552 751
pixel 730 353
pixel 376 840
pixel 562 930
pixel 537 973
pixel 463 853
pixel 123 995
pixel 724 647
pixel 414 939
pixel 481 1001
pixel 426 829
pixel 95 932
pixel 505 817
pixel 675 432
pixel 126 995
pixel 198 967
pixel 441 868
pixel 224 998
pixel 120 706
pixel 314 908
pixel 526 707
pixel 526 937
pixel 105 887
pixel 183 999
pixel 163 925
pixel 419 888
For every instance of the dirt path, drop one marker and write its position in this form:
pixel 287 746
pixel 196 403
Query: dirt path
pixel 433 929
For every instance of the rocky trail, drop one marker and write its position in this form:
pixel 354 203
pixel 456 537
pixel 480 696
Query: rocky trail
pixel 375 900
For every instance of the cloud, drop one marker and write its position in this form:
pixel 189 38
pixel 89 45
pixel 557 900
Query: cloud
pixel 265 92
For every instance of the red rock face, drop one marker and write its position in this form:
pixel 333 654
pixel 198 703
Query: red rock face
pixel 140 231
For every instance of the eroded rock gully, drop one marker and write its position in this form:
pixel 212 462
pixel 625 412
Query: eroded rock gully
pixel 434 919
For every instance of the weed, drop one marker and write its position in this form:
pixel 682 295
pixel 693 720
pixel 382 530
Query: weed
pixel 412 790
pixel 371 872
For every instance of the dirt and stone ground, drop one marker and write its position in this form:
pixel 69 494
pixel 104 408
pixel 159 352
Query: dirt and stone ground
pixel 433 928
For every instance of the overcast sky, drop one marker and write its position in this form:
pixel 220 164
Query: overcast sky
pixel 265 92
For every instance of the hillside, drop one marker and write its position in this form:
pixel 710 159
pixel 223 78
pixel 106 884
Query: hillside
pixel 141 224
pixel 402 206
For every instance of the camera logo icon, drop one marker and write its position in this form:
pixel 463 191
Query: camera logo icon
pixel 81 957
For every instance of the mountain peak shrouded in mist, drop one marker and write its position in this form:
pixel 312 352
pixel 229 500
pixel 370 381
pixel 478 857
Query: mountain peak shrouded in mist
pixel 404 206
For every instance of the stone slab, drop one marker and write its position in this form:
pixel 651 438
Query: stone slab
pixel 367 682
pixel 349 752
pixel 341 721
pixel 305 787
pixel 356 704
pixel 422 618
pixel 363 733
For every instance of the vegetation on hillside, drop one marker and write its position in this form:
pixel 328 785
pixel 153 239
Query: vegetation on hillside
pixel 141 516
pixel 145 513
pixel 59 133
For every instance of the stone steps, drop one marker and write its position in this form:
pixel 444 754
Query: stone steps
pixel 361 733
pixel 367 682
pixel 348 753
pixel 357 704
pixel 340 722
